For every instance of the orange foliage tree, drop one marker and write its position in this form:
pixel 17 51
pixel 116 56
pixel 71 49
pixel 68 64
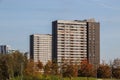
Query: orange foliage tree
pixel 86 69
pixel 30 68
pixel 47 68
pixel 116 73
pixel 39 65
pixel 104 71
pixel 69 69
pixel 55 68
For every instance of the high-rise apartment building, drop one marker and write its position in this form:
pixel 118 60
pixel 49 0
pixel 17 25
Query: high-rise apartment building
pixel 76 40
pixel 4 49
pixel 40 47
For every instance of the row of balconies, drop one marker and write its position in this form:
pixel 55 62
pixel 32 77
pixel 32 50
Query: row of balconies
pixel 82 47
pixel 72 37
pixel 77 54
pixel 69 41
pixel 69 47
pixel 72 44
pixel 72 33
pixel 71 27
pixel 74 40
pixel 73 58
pixel 73 50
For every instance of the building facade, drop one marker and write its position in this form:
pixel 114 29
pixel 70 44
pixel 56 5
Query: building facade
pixel 76 40
pixel 5 49
pixel 40 47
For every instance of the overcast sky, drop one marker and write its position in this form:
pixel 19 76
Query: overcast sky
pixel 21 18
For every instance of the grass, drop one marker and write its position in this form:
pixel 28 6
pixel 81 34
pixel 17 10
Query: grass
pixel 85 78
pixel 59 78
pixel 80 78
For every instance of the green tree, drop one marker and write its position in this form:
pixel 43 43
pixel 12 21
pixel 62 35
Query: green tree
pixel 12 65
pixel 18 63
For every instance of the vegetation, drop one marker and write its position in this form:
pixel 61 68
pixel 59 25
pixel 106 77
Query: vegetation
pixel 11 65
pixel 15 66
pixel 86 69
pixel 104 71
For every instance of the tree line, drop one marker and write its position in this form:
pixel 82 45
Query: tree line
pixel 16 65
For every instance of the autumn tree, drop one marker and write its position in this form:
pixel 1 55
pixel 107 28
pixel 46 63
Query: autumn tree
pixel 55 68
pixel 39 67
pixel 116 68
pixel 116 73
pixel 69 69
pixel 30 68
pixel 47 68
pixel 86 69
pixel 104 71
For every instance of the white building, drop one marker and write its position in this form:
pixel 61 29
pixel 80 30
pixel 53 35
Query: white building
pixel 40 47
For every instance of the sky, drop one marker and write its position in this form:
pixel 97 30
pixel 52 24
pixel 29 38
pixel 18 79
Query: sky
pixel 21 18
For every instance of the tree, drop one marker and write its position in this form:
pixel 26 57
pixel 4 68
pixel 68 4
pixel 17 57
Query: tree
pixel 116 63
pixel 116 68
pixel 69 69
pixel 4 74
pixel 86 69
pixel 47 68
pixel 11 64
pixel 104 71
pixel 39 67
pixel 55 68
pixel 116 73
pixel 18 62
pixel 30 68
